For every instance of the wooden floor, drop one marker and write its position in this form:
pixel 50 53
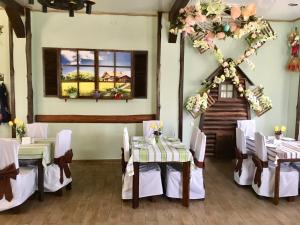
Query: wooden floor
pixel 95 200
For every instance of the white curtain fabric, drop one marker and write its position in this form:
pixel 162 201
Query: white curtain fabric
pixel 248 126
pixel 196 131
pixel 52 172
pixel 289 177
pixel 147 130
pixel 174 175
pixel 37 130
pixel 25 184
pixel 248 166
pixel 126 144
pixel 149 182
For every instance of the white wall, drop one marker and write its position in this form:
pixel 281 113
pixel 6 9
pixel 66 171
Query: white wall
pixel 93 141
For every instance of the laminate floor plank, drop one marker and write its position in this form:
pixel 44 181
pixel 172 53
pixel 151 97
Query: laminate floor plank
pixel 95 199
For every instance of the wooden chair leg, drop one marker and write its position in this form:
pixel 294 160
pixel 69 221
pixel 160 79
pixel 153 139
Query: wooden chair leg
pixel 291 199
pixel 69 186
pixel 59 192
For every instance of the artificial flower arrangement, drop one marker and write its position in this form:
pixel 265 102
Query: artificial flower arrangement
pixel 294 43
pixel 197 104
pixel 157 129
pixel 19 126
pixel 278 131
pixel 205 22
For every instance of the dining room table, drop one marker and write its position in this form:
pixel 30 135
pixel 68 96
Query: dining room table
pixel 161 150
pixel 285 150
pixel 39 153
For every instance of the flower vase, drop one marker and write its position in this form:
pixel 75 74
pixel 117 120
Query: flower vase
pixel 278 136
pixel 156 138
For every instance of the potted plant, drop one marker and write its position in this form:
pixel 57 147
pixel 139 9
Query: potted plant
pixel 72 92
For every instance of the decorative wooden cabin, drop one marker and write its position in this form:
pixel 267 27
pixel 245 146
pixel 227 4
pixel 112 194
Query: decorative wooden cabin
pixel 219 121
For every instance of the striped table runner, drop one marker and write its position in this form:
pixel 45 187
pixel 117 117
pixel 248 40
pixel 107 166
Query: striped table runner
pixel 146 150
pixel 36 151
pixel 284 149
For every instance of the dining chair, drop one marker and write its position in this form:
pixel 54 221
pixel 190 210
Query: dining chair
pixel 125 149
pixel 247 126
pixel 244 166
pixel 147 129
pixel 263 182
pixel 17 184
pixel 195 133
pixel 37 130
pixel 149 175
pixel 58 174
pixel 174 174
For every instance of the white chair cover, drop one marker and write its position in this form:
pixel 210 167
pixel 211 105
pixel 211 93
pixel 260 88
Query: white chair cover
pixel 248 126
pixel 149 182
pixel 37 130
pixel 248 167
pixel 174 176
pixel 24 185
pixel 196 131
pixel 147 130
pixel 52 172
pixel 126 144
pixel 289 177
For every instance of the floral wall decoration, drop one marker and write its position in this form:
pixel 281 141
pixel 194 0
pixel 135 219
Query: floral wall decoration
pixel 213 20
pixel 293 43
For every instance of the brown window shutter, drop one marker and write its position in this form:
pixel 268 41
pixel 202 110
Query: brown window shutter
pixel 140 67
pixel 50 71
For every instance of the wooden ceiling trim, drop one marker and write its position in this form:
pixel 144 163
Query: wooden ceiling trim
pixel 14 12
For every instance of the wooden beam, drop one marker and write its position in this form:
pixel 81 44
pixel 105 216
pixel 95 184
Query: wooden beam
pixel 29 66
pixel 16 21
pixel 11 3
pixel 297 113
pixel 12 77
pixel 173 14
pixel 180 87
pixel 94 118
pixel 158 65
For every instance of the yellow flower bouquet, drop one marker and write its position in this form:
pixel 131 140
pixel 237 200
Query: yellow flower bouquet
pixel 157 129
pixel 279 130
pixel 19 126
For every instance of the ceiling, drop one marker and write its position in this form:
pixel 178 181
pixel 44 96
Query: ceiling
pixel 269 9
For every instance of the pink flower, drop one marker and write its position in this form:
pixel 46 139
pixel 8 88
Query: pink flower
pixel 190 21
pixel 250 10
pixel 189 30
pixel 200 18
pixel 221 35
pixel 233 27
pixel 181 10
pixel 209 35
pixel 235 12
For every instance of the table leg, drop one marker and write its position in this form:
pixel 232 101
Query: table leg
pixel 135 185
pixel 41 180
pixel 277 182
pixel 186 183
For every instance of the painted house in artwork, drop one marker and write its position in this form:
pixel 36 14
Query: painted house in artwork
pixel 107 76
pixel 123 79
pixel 220 119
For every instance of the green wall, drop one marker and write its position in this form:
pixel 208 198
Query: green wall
pixel 93 141
pixel 103 141
pixel 270 72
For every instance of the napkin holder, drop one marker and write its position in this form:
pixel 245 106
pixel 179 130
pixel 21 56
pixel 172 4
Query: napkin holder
pixel 26 140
